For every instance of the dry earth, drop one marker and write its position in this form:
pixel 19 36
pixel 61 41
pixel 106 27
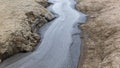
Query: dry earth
pixel 19 23
pixel 101 33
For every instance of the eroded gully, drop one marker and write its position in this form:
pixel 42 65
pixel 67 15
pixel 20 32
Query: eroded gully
pixel 60 47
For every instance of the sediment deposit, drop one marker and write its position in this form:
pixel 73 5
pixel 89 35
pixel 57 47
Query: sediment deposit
pixel 101 33
pixel 19 23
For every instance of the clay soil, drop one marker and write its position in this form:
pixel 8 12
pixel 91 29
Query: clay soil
pixel 19 23
pixel 101 33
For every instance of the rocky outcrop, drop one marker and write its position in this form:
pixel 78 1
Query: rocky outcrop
pixel 19 23
pixel 101 33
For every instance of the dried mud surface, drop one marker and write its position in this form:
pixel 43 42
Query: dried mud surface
pixel 19 23
pixel 101 33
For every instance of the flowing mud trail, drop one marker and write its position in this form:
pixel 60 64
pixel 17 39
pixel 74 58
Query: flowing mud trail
pixel 60 47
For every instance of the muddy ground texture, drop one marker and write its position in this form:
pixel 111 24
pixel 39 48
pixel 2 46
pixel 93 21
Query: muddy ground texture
pixel 19 24
pixel 101 33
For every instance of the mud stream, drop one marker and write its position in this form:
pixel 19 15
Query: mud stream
pixel 60 46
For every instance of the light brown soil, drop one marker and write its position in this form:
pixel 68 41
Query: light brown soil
pixel 19 23
pixel 101 33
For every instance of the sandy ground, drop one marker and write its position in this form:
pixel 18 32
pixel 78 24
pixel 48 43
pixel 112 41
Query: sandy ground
pixel 101 33
pixel 19 23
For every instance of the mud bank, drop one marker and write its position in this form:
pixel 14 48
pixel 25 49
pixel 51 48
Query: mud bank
pixel 101 33
pixel 19 23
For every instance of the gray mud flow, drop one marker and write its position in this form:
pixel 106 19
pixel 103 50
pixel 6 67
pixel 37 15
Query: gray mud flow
pixel 60 46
